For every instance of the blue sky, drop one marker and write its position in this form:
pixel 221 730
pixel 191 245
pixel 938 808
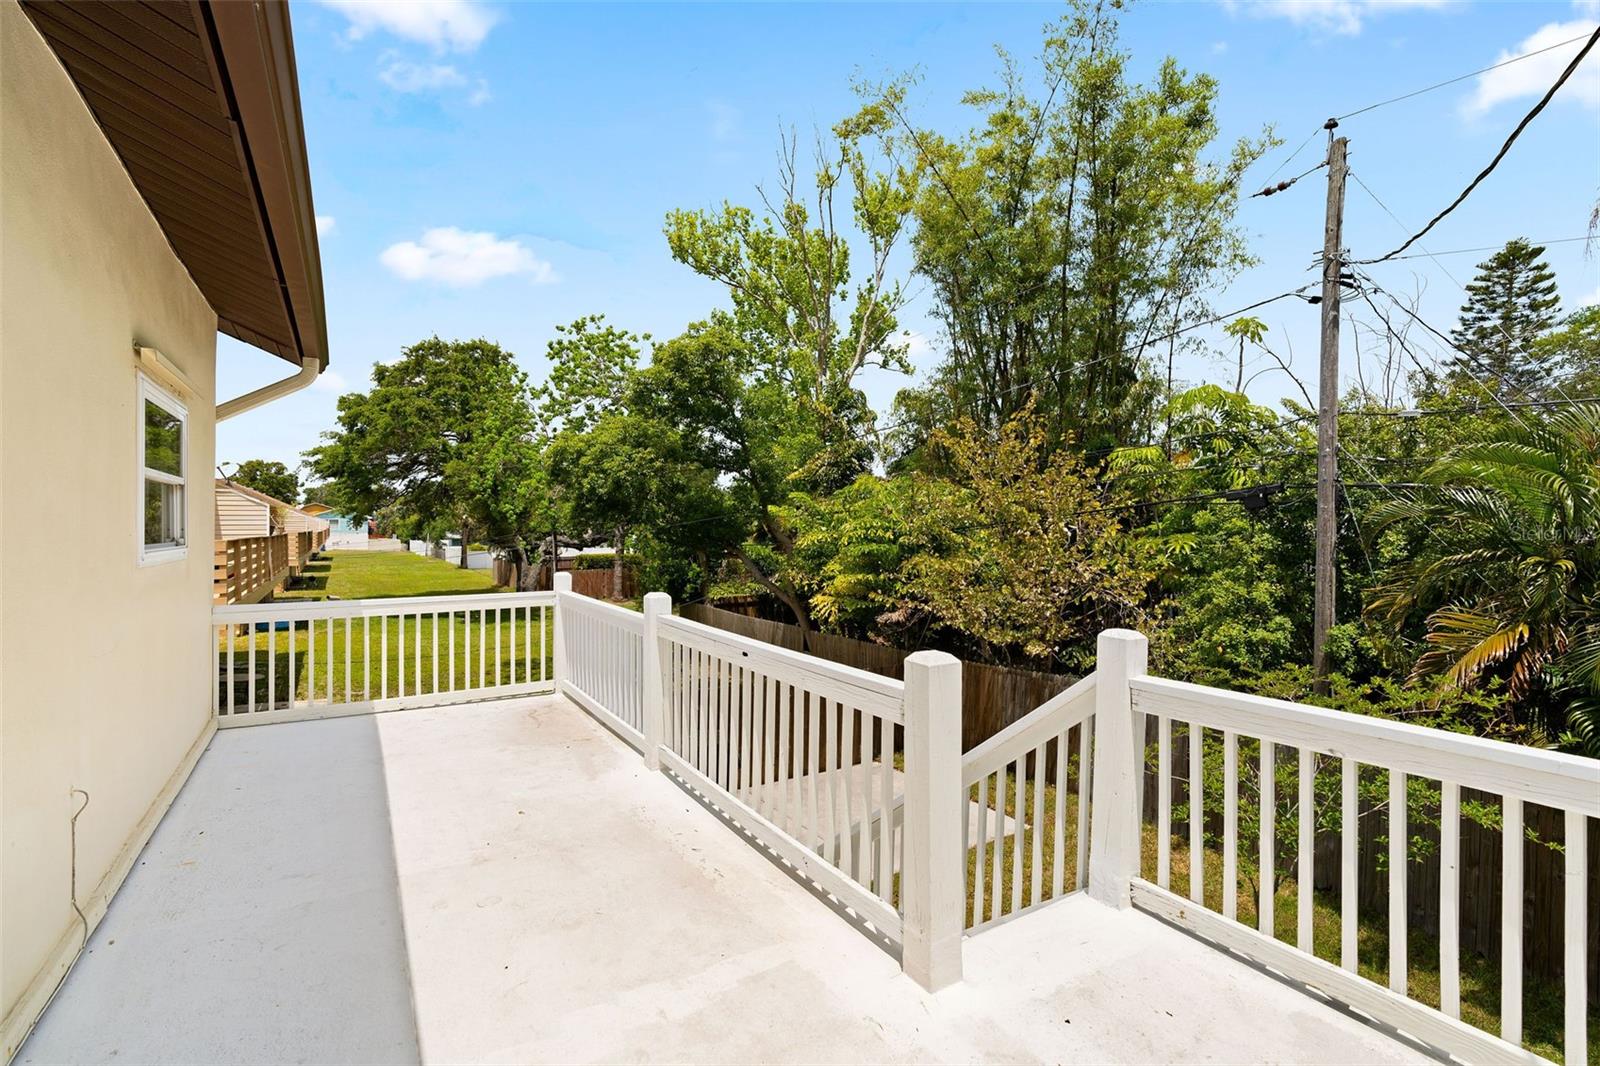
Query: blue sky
pixel 494 169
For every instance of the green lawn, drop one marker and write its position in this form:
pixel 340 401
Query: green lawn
pixel 388 657
pixel 1480 979
pixel 357 575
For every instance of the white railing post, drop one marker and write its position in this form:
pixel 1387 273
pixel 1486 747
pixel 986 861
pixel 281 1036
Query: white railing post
pixel 656 604
pixel 558 669
pixel 1114 835
pixel 933 889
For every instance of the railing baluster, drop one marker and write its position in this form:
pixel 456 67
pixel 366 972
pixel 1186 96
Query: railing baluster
pixel 813 718
pixel 217 633
pixel 293 684
pixel 227 632
pixel 1035 829
pixel 1511 921
pixel 846 744
pixel 383 656
pixel 250 698
pixel 1197 813
pixel 1450 899
pixel 499 662
pixel 886 811
pixel 329 658
pixel 1348 814
pixel 996 870
pixel 788 764
pixel 514 611
pixel 1164 801
pixel 1018 801
pixel 311 661
pixel 1397 881
pixel 433 647
pixel 1304 874
pixel 1576 934
pixel 347 658
pixel 1230 825
pixel 272 665
pixel 483 646
pixel 981 857
pixel 1060 830
pixel 1267 863
pixel 1085 772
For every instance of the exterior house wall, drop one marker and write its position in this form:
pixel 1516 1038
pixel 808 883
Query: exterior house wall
pixel 106 685
pixel 240 516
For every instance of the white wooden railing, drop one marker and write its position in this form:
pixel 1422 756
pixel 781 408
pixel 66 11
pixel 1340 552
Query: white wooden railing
pixel 857 781
pixel 799 753
pixel 1400 753
pixel 601 661
pixel 1029 800
pixel 287 661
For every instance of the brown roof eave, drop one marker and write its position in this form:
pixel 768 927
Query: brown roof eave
pixel 255 47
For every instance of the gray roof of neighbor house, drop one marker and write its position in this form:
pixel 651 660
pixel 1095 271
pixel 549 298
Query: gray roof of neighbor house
pixel 201 102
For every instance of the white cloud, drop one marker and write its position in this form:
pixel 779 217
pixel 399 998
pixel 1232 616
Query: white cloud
pixel 1533 76
pixel 325 224
pixel 919 346
pixel 330 380
pixel 456 25
pixel 1587 8
pixel 481 95
pixel 404 76
pixel 460 258
pixel 1329 16
pixel 1218 47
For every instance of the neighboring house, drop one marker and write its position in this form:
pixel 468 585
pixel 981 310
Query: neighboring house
pixel 261 542
pixel 343 531
pixel 154 191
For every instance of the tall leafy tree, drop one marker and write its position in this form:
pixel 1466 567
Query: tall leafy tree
pixel 1065 233
pixel 270 477
pixel 414 446
pixel 811 317
pixel 1510 303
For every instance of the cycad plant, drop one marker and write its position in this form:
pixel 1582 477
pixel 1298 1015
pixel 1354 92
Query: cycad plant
pixel 1509 570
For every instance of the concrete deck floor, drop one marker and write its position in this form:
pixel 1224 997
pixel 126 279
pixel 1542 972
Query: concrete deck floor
pixel 508 883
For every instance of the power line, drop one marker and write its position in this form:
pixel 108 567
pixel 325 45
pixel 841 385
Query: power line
pixel 1521 350
pixel 1131 349
pixel 1460 78
pixel 1466 251
pixel 1504 148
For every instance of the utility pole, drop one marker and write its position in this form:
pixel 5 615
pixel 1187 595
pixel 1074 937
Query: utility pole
pixel 1328 413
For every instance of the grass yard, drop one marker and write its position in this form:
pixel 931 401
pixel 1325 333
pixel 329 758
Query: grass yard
pixel 1480 979
pixel 355 660
pixel 359 575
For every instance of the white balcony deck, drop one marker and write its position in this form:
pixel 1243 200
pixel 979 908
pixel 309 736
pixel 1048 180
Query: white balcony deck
pixel 507 882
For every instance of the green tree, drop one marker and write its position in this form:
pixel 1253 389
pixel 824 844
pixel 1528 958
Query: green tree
pixel 1065 233
pixel 269 477
pixel 812 325
pixel 1511 575
pixel 415 444
pixel 1510 304
pixel 1571 352
pixel 591 367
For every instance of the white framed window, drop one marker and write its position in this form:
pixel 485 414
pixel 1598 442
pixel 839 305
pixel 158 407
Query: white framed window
pixel 163 466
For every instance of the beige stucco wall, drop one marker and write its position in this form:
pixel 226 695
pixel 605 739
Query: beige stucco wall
pixel 103 663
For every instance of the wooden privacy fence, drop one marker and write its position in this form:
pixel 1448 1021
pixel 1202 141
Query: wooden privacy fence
pixel 244 569
pixel 992 697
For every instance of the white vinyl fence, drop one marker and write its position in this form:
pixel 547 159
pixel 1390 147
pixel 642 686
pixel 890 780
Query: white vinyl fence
pixel 857 781
pixel 285 661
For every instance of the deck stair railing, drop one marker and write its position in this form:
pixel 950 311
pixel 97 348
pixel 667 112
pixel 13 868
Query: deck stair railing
pixel 857 781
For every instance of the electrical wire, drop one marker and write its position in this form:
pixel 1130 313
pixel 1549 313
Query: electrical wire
pixel 1483 248
pixel 1460 78
pixel 1501 154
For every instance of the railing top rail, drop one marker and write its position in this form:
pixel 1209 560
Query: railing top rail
pixel 1054 716
pixel 376 607
pixel 1554 779
pixel 621 616
pixel 861 689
